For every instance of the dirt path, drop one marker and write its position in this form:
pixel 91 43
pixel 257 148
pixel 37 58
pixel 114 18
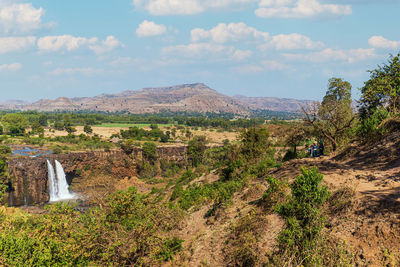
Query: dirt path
pixel 372 226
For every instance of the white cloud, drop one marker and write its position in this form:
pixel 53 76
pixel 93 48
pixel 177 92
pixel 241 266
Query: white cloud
pixel 149 28
pixel 235 32
pixel 223 33
pixel 266 65
pixel 187 7
pixel 70 43
pixel 10 67
pixel 64 42
pixel 294 41
pixel 12 44
pixel 382 42
pixel 299 9
pixel 20 18
pixel 71 71
pixel 109 44
pixel 207 50
pixel 329 54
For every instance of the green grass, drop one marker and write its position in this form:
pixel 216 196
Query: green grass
pixel 127 125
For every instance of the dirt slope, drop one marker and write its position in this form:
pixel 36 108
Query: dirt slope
pixel 369 224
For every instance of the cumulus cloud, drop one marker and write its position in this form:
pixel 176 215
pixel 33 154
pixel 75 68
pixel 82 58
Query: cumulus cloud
pixel 70 43
pixel 149 28
pixel 294 41
pixel 109 44
pixel 187 7
pixel 329 54
pixel 207 50
pixel 12 44
pixel 382 42
pixel 235 32
pixel 223 33
pixel 299 9
pixel 20 18
pixel 10 67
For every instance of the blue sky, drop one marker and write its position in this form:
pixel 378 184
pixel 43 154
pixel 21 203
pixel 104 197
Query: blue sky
pixel 281 48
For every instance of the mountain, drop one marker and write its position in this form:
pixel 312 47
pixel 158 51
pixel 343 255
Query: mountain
pixel 272 103
pixel 13 104
pixel 186 97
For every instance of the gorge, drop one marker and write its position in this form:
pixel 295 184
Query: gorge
pixel 42 179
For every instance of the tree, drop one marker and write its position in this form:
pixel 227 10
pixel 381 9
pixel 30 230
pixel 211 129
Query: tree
pixel 43 120
pixel 14 124
pixel 87 129
pixel 333 118
pixel 59 125
pixel 149 151
pixel 296 134
pixel 37 128
pixel 196 148
pixel 255 142
pixel 70 130
pixel 382 90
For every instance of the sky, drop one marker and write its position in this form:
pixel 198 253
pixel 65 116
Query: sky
pixel 275 48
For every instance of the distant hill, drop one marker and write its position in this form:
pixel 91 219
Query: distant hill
pixel 180 98
pixel 272 103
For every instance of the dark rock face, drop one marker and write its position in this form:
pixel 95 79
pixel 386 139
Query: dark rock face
pixel 29 182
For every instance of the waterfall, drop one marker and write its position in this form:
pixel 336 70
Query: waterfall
pixel 53 188
pixel 58 186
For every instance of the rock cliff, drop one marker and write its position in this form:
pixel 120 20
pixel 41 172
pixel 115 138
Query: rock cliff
pixel 29 182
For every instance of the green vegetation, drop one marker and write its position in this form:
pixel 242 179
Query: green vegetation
pixel 333 118
pixel 299 240
pixel 5 153
pixel 14 124
pixel 128 230
pixel 130 125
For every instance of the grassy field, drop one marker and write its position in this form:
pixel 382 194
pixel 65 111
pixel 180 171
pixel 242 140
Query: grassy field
pixel 126 125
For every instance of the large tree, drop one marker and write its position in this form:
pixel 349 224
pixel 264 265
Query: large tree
pixel 382 90
pixel 333 118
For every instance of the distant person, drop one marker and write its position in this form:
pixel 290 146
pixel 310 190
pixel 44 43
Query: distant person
pixel 310 150
pixel 321 147
pixel 315 150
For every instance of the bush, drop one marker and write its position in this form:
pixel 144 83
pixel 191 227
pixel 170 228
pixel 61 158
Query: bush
pixel 150 151
pixel 303 219
pixel 196 148
pixel 127 146
pixel 274 195
pixel 369 127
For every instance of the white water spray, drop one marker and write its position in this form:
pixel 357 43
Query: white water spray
pixel 58 186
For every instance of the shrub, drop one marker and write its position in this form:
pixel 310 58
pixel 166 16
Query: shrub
pixel 196 148
pixel 275 194
pixel 302 214
pixel 127 146
pixel 149 151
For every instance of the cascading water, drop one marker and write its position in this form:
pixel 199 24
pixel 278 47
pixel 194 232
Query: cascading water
pixel 53 187
pixel 58 186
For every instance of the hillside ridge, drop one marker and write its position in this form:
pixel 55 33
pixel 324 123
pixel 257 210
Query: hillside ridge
pixel 194 97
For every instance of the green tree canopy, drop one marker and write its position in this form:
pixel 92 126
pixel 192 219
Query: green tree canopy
pixel 196 148
pixel 333 118
pixel 14 124
pixel 382 90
